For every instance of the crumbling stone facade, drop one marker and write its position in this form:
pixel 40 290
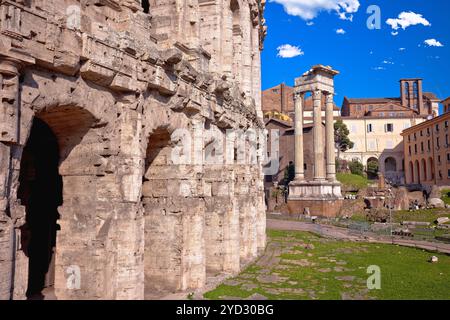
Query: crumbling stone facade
pixel 94 94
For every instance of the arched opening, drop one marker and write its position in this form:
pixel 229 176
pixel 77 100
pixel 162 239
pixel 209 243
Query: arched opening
pixel 174 220
pixel 40 192
pixel 372 168
pixel 431 168
pixel 417 172
pixel 52 157
pixel 145 5
pixel 390 165
pixel 411 172
pixel 424 171
pixel 407 90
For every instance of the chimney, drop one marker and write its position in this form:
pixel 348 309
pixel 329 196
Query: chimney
pixel 283 99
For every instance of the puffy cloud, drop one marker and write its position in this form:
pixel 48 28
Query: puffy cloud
pixel 289 51
pixel 433 43
pixel 407 19
pixel 340 31
pixel 401 49
pixel 309 9
pixel 387 62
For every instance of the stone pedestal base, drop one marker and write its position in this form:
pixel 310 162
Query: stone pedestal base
pixel 323 198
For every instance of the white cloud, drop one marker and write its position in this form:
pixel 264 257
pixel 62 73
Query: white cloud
pixel 310 23
pixel 309 9
pixel 401 49
pixel 340 31
pixel 433 43
pixel 378 68
pixel 289 51
pixel 407 19
pixel 387 62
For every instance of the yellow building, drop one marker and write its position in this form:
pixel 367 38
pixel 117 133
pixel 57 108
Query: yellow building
pixel 379 139
pixel 427 152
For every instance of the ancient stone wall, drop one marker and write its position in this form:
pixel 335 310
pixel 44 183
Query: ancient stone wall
pixel 132 103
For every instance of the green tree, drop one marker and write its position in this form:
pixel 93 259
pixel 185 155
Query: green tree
pixel 341 138
pixel 356 167
pixel 289 173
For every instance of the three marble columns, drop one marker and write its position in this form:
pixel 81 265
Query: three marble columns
pixel 321 172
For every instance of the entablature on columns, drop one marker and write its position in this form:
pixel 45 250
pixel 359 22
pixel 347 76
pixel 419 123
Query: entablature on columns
pixel 318 78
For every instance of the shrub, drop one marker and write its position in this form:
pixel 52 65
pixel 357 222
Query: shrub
pixel 356 167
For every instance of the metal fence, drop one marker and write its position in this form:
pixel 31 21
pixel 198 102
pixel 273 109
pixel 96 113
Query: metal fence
pixel 365 229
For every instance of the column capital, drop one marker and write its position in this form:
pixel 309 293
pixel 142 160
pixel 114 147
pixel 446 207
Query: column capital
pixel 299 95
pixel 329 97
pixel 317 94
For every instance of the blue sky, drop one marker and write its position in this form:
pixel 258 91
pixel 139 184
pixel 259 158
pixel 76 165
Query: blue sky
pixel 370 61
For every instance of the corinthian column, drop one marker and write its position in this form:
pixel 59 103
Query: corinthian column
pixel 319 174
pixel 299 163
pixel 329 128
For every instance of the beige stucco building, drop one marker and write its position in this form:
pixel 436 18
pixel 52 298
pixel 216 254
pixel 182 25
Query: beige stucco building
pixel 427 152
pixel 379 138
pixel 376 124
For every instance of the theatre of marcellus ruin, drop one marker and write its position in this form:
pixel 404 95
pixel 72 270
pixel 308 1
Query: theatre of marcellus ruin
pixel 94 95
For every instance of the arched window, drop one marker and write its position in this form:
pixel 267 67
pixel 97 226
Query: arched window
pixel 390 165
pixel 407 90
pixel 416 90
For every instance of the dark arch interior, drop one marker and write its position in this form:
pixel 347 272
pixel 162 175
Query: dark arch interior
pixel 40 192
pixel 146 6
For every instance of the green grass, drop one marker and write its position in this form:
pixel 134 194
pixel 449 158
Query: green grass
pixel 405 272
pixel 446 196
pixel 425 215
pixel 352 180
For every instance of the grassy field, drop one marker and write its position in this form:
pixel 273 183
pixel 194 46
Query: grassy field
pixel 299 265
pixel 352 180
pixel 446 196
pixel 425 215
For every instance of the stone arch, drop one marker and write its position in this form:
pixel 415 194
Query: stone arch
pixel 50 160
pixel 95 143
pixel 390 164
pixel 174 217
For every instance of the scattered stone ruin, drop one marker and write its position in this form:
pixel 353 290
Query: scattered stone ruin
pixel 99 101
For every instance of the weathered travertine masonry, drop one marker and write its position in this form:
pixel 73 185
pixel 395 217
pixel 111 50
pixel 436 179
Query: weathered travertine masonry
pixel 92 93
